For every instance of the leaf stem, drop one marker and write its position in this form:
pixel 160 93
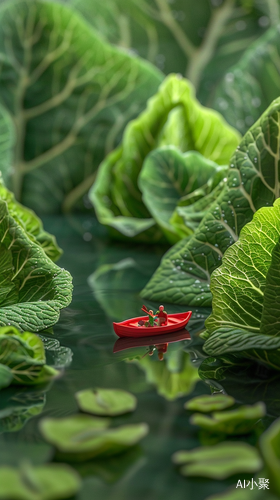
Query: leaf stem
pixel 178 33
pixel 203 54
pixel 76 193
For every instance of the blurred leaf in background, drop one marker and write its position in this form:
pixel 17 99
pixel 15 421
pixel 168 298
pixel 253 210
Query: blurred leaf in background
pixel 70 95
pixel 172 117
pixel 200 40
pixel 250 86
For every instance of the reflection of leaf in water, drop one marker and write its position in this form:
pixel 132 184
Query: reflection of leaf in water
pixel 170 384
pixel 220 461
pixel 17 407
pixel 117 286
pixel 246 382
pixel 57 356
pixel 111 469
pixel 12 420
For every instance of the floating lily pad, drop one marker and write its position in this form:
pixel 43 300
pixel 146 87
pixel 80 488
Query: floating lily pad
pixel 208 403
pixel 81 437
pixel 220 461
pixel 109 402
pixel 239 421
pixel 174 377
pixel 112 469
pixel 47 482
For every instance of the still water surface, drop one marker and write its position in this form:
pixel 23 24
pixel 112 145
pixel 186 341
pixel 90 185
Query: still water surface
pixel 86 329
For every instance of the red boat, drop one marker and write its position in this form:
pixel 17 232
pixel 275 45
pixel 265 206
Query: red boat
pixel 130 327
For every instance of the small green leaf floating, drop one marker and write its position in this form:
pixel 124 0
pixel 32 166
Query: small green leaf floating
pixel 239 421
pixel 218 462
pixel 208 403
pixel 47 482
pixel 106 402
pixel 82 437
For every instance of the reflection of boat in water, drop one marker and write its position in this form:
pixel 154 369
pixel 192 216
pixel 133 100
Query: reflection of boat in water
pixel 131 328
pixel 128 343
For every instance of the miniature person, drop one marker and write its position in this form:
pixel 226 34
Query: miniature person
pixel 152 319
pixel 162 316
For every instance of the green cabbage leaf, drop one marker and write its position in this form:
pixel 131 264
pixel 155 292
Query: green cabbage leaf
pixel 253 182
pixel 245 321
pixel 172 117
pixel 33 289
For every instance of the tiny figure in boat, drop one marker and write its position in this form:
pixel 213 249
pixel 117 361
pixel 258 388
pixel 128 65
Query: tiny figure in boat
pixel 152 318
pixel 162 316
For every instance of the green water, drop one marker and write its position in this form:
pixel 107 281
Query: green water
pixel 86 328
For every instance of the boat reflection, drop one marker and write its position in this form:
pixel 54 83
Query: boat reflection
pixel 151 342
